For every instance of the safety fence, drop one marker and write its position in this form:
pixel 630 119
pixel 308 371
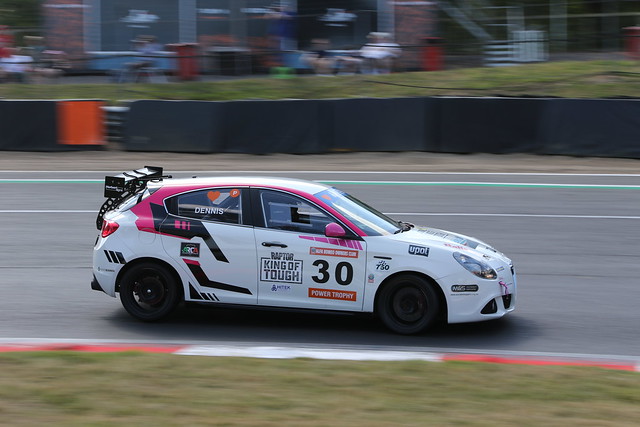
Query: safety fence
pixel 578 127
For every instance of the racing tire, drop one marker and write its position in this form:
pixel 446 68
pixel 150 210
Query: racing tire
pixel 408 305
pixel 149 292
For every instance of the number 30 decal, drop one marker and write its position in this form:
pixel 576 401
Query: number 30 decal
pixel 343 272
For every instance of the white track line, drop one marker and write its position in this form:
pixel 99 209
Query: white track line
pixel 344 172
pixel 395 214
pixel 513 215
pixel 67 211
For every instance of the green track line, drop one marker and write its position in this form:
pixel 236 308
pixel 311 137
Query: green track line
pixel 386 183
pixel 51 181
pixel 487 184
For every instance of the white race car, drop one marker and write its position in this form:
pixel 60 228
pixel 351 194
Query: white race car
pixel 275 242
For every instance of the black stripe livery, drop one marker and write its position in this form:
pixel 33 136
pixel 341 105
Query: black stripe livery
pixel 115 257
pixel 193 294
pixel 204 281
pixel 168 224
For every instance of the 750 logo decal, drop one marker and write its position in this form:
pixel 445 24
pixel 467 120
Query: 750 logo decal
pixel 382 266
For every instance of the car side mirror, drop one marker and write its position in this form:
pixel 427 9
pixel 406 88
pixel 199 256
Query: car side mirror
pixel 334 230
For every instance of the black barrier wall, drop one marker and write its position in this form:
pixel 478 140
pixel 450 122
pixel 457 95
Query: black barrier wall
pixel 28 126
pixel 490 125
pixel 179 126
pixel 592 127
pixel 609 128
pixel 288 126
pixel 395 124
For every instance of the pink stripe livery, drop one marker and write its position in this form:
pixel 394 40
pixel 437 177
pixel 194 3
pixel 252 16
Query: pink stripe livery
pixel 145 217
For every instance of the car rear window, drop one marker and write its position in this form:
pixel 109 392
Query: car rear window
pixel 216 204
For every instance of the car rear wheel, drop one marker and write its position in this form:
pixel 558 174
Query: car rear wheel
pixel 408 305
pixel 149 292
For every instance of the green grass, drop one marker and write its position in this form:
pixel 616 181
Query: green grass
pixel 585 79
pixel 88 389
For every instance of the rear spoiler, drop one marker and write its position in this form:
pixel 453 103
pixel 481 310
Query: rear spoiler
pixel 119 187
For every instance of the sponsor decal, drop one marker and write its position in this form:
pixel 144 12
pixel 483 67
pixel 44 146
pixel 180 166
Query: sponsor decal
pixel 213 195
pixel 418 250
pixel 209 211
pixel 281 267
pixel 352 244
pixel 499 269
pixel 462 248
pixel 464 288
pixel 449 236
pixel 345 253
pixel 331 294
pixel 371 278
pixel 115 188
pixel 383 266
pixel 108 270
pixel 190 249
pixel 280 288
pixel 234 193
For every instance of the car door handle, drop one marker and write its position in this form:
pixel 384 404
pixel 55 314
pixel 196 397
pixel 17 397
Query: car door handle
pixel 269 244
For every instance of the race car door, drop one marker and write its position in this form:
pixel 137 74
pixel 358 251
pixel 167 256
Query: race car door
pixel 206 232
pixel 298 265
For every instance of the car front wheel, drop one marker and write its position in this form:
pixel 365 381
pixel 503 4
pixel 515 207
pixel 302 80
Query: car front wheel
pixel 408 305
pixel 149 292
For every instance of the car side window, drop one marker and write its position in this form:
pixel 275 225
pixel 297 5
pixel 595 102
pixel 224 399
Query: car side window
pixel 221 205
pixel 283 211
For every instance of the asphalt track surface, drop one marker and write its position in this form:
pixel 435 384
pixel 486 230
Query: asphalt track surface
pixel 570 225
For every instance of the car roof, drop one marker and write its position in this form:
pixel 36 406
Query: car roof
pixel 297 185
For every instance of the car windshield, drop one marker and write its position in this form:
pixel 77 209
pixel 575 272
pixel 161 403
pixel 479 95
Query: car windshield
pixel 368 219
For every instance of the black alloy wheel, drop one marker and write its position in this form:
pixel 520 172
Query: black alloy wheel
pixel 149 292
pixel 408 305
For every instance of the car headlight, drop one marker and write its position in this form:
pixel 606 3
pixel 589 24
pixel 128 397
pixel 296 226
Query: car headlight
pixel 477 267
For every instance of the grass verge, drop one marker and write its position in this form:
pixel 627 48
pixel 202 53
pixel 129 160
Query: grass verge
pixel 584 79
pixel 69 388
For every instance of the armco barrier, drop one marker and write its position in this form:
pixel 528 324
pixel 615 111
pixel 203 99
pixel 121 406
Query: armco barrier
pixel 51 125
pixel 379 124
pixel 178 126
pixel 490 125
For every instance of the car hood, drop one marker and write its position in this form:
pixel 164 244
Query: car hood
pixel 435 236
